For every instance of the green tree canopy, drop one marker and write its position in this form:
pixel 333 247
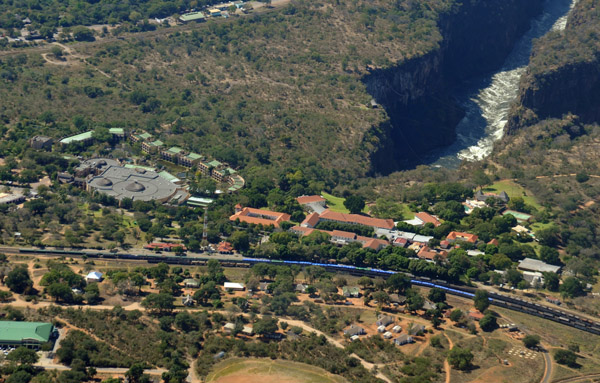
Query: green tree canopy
pixel 460 358
pixel 481 300
pixel 354 203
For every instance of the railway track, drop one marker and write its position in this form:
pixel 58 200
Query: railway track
pixel 500 300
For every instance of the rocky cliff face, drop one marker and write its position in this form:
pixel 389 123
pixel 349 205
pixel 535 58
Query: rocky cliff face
pixel 416 94
pixel 564 73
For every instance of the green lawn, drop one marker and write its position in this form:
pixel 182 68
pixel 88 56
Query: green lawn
pixel 513 190
pixel 337 204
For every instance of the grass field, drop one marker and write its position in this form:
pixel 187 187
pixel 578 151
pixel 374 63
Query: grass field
pixel 513 190
pixel 337 203
pixel 239 370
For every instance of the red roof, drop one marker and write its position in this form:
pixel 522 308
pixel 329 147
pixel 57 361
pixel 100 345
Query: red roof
pixel 428 218
pixel 311 220
pixel 303 200
pixel 458 236
pixel 224 247
pixel 493 242
pixel 372 243
pixel 357 219
pixel 343 234
pixel 259 216
pixel 475 314
pixel 401 241
pixel 426 253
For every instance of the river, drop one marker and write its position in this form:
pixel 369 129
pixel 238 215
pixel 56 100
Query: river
pixel 486 100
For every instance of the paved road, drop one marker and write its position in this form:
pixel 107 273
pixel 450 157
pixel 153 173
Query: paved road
pixel 548 372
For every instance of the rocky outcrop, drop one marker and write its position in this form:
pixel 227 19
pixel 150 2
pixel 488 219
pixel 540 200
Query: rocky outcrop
pixel 416 94
pixel 564 73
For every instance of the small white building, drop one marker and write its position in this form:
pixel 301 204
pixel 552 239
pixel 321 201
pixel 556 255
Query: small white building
pixel 397 328
pixel 234 286
pixel 94 276
pixel 229 327
pixel 387 335
pixel 354 338
pixel 381 328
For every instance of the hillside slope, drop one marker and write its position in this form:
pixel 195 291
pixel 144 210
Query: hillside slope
pixel 287 89
pixel 564 73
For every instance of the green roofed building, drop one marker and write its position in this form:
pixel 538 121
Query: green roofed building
pixel 171 154
pixel 192 16
pixel 81 137
pixel 120 132
pixel 190 159
pixel 27 334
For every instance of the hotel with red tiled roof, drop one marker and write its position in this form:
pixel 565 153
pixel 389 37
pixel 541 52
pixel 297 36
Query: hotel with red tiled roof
pixel 259 217
pixel 429 254
pixel 355 219
pixel 303 200
pixel 428 218
pixel 458 236
pixel 340 237
pixel 311 220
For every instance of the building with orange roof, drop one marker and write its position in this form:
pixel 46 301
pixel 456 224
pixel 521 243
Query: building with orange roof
pixel 306 199
pixel 259 216
pixel 428 254
pixel 357 219
pixel 340 237
pixel 224 248
pixel 494 242
pixel 428 218
pixel 422 218
pixel 311 220
pixel 464 237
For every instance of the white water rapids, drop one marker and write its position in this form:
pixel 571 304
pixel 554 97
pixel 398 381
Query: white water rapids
pixel 487 100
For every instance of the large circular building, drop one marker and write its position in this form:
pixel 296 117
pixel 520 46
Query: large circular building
pixel 137 184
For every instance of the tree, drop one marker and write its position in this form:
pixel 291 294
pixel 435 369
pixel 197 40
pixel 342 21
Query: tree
pixel 437 295
pixel 582 177
pixel 565 357
pixel 20 376
pixel 5 296
pixel 571 287
pixel 531 341
pixel 365 282
pixel 398 283
pixel 354 203
pixel 23 355
pixel 185 322
pixel 456 315
pixel 266 325
pixel 549 255
pixel 240 240
pixel 60 292
pixel 208 291
pixel 481 300
pixel 488 322
pixel 18 280
pixel 159 303
pixel 135 374
pixel 460 358
pixel 414 300
pixel 551 281
pixel 481 179
pixel 81 33
pixel 381 297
